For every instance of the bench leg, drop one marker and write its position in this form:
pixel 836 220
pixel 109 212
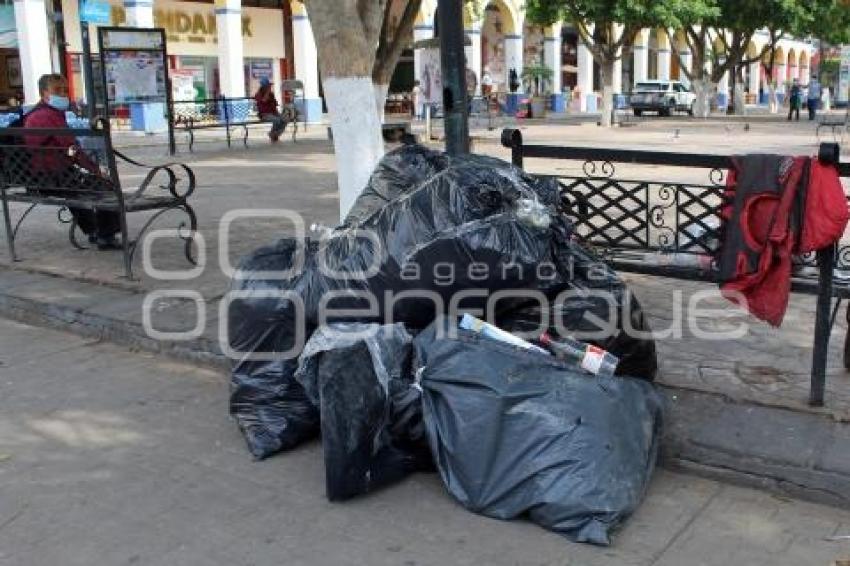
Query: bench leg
pixel 10 234
pixel 125 246
pixel 191 140
pixel 825 259
pixel 245 136
pixel 227 132
pixel 847 341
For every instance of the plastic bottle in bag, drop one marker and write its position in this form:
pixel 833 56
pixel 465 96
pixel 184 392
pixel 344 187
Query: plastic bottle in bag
pixel 469 322
pixel 590 358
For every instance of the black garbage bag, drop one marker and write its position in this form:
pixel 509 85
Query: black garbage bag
pixel 477 213
pixel 271 408
pixel 399 172
pixel 517 433
pixel 360 377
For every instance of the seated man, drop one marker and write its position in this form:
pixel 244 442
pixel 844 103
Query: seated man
pixel 267 109
pixel 100 226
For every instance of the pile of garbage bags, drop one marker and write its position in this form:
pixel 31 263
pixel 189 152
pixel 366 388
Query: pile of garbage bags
pixel 353 336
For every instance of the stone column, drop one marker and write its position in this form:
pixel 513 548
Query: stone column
pixel 663 58
pixel 685 62
pixel 420 32
pixel 139 13
pixel 307 66
pixel 513 57
pixel 754 79
pixel 473 53
pixel 585 74
pixel 640 63
pixel 33 45
pixel 231 65
pixel 552 59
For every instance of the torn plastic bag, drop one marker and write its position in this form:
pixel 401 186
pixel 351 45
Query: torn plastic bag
pixel 399 172
pixel 516 432
pixel 359 375
pixel 403 171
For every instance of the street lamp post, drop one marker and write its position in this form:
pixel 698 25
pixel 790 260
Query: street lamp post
pixel 453 63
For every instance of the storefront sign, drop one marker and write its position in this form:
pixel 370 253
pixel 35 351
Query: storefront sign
pixel 181 25
pixel 261 69
pixel 96 12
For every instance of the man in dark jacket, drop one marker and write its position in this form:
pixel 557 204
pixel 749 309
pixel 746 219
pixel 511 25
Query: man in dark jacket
pixel 100 226
pixel 267 109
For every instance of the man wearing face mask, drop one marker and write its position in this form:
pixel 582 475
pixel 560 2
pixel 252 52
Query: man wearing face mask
pixel 101 226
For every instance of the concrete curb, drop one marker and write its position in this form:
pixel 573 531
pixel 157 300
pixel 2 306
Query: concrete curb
pixel 797 454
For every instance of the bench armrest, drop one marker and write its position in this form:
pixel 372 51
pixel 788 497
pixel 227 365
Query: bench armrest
pixel 167 169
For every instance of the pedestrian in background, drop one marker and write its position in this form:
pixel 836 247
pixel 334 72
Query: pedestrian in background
pixel 814 97
pixel 416 100
pixel 795 99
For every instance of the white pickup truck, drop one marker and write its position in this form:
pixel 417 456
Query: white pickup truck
pixel 664 97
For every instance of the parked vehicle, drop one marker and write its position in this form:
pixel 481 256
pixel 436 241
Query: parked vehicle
pixel 664 97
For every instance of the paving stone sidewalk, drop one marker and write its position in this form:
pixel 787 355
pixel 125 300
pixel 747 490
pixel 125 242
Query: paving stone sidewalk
pixel 110 457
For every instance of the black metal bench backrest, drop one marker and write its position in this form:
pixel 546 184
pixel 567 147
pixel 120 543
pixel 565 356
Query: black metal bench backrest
pixel 619 214
pixel 214 111
pixel 34 159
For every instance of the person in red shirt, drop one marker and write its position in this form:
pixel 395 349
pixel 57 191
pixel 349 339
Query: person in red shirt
pixel 267 109
pixel 101 226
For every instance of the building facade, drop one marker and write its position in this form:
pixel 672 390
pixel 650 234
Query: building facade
pixel 227 46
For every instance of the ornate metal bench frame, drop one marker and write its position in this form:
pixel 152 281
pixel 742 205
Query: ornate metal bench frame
pixel 624 220
pixel 24 184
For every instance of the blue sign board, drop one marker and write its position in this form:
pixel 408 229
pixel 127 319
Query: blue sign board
pixel 95 12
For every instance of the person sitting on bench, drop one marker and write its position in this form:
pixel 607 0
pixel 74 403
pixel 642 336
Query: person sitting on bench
pixel 267 109
pixel 101 226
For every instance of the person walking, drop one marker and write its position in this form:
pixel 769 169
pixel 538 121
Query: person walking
pixel 814 97
pixel 795 99
pixel 267 109
pixel 416 100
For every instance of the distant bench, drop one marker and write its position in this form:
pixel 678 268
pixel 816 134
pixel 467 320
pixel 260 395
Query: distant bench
pixel 232 114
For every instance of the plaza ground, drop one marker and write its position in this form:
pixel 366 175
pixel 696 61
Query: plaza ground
pixel 131 458
pixel 109 457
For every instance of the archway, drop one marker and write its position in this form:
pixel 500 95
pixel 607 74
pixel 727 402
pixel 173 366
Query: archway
pixel 803 66
pixel 659 55
pixel 681 57
pixel 497 25
pixel 791 69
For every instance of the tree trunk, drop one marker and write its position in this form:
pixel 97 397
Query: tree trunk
pixel 606 73
pixel 381 91
pixel 358 141
pixel 702 104
pixel 738 99
pixel 346 60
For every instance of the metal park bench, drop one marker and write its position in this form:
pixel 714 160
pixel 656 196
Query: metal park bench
pixel 55 176
pixel 633 223
pixel 229 114
pixel 837 126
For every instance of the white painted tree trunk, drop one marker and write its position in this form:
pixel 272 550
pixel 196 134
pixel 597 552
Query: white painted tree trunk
pixel 381 91
pixel 702 103
pixel 607 94
pixel 358 141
